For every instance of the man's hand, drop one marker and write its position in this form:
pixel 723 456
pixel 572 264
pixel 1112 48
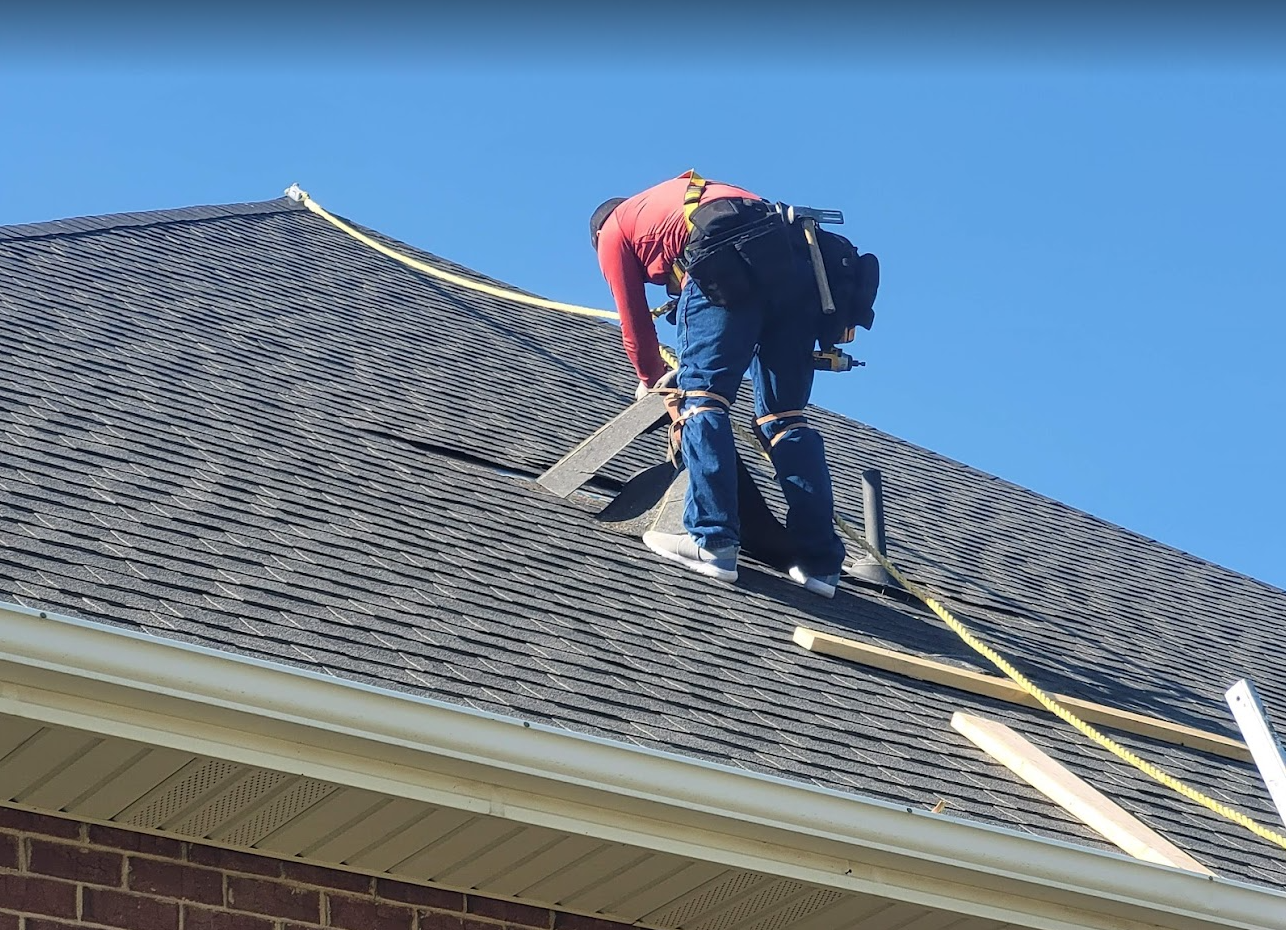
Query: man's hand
pixel 665 381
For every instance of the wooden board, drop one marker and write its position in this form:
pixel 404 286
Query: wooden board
pixel 1003 689
pixel 1080 799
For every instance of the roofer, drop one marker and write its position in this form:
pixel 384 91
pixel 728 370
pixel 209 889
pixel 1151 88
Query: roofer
pixel 747 299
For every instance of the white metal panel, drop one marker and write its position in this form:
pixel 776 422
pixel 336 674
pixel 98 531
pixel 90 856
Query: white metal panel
pixel 384 854
pixel 239 797
pixel 92 767
pixel 322 821
pixel 287 801
pixel 568 883
pixel 845 911
pixel 244 806
pixel 39 758
pixel 379 828
pixel 1265 747
pixel 730 886
pixel 484 869
pixel 15 731
pixel 791 909
pixel 119 790
pixel 741 909
pixel 566 852
pixel 688 875
pixel 187 790
pixel 647 869
pixel 439 859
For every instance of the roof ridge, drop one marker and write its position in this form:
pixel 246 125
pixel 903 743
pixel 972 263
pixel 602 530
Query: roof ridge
pixel 74 226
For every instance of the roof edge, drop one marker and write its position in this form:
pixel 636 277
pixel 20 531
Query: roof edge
pixel 75 226
pixel 768 823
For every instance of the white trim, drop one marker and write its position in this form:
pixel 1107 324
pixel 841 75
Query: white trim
pixel 77 673
pixel 1248 710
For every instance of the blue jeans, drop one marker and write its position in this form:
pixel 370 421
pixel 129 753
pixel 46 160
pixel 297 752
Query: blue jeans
pixel 716 346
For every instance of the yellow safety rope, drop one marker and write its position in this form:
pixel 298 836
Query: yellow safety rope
pixel 955 625
pixel 1147 768
pixel 447 276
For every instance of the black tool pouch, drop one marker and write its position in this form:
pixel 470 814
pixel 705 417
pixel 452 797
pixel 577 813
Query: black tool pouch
pixel 854 279
pixel 738 251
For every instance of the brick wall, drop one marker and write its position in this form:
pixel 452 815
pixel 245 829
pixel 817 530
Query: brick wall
pixel 57 874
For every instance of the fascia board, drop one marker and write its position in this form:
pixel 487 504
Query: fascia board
pixel 136 686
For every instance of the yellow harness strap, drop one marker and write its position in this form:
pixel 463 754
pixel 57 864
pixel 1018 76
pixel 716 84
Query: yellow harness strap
pixel 691 200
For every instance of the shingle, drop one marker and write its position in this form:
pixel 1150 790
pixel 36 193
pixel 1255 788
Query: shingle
pixel 235 426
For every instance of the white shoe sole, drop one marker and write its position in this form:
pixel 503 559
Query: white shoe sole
pixel 701 568
pixel 810 583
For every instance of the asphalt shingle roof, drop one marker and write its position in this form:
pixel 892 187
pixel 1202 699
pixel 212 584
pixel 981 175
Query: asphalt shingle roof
pixel 238 427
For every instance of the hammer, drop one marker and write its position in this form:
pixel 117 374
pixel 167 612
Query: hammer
pixel 808 218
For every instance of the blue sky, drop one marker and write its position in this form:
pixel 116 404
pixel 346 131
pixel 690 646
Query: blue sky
pixel 1081 224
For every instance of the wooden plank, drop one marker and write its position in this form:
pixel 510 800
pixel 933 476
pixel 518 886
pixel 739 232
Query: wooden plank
pixel 1005 690
pixel 1084 802
pixel 579 465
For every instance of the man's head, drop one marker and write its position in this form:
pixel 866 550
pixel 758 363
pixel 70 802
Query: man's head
pixel 600 217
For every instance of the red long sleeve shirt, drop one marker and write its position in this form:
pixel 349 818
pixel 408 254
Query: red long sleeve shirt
pixel 640 242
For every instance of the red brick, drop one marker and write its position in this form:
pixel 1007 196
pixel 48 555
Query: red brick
pixel 307 874
pixel 30 822
pixel 509 911
pixel 41 896
pixel 577 922
pixel 39 923
pixel 198 918
pixel 274 898
pixel 78 863
pixel 9 922
pixel 8 851
pixel 132 911
pixel 362 913
pixel 436 920
pixel 233 861
pixel 418 894
pixel 132 841
pixel 175 880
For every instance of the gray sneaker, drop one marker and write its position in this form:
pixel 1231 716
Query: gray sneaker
pixel 824 585
pixel 720 564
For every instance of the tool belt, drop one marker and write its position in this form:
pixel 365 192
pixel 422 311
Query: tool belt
pixel 740 251
pixel 854 279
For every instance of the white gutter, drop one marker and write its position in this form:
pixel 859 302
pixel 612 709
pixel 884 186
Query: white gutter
pixel 73 672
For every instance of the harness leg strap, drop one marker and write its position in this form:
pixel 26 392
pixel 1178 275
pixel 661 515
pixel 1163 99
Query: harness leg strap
pixel 721 405
pixel 763 421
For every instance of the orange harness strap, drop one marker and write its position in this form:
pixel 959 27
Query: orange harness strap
pixel 783 416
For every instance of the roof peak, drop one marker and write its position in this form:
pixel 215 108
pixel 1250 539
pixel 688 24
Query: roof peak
pixel 74 226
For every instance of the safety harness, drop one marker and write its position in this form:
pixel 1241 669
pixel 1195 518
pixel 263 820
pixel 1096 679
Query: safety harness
pixel 692 200
pixel 769 418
